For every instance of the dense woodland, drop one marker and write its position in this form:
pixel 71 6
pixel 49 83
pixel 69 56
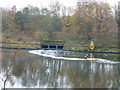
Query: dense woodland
pixel 96 21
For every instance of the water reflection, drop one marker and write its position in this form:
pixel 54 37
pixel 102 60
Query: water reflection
pixel 31 70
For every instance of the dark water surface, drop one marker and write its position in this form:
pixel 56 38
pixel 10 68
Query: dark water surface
pixel 30 70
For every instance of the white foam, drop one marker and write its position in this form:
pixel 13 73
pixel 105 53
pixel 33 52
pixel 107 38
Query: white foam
pixel 54 54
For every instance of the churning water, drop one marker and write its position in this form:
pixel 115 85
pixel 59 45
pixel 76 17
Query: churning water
pixel 61 55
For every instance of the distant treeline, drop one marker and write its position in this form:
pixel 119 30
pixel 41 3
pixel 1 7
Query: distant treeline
pixel 95 21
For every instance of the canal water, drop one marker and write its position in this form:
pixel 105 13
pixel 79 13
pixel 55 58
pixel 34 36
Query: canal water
pixel 58 69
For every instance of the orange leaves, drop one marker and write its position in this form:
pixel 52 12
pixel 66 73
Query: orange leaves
pixel 66 23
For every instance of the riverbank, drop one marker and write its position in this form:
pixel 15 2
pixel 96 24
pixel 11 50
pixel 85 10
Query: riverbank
pixel 66 46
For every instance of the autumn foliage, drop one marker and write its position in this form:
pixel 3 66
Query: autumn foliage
pixel 79 25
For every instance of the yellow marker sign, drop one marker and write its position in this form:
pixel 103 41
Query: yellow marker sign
pixel 92 45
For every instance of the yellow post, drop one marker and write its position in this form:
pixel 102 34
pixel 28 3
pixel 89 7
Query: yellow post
pixel 92 45
pixel 91 56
